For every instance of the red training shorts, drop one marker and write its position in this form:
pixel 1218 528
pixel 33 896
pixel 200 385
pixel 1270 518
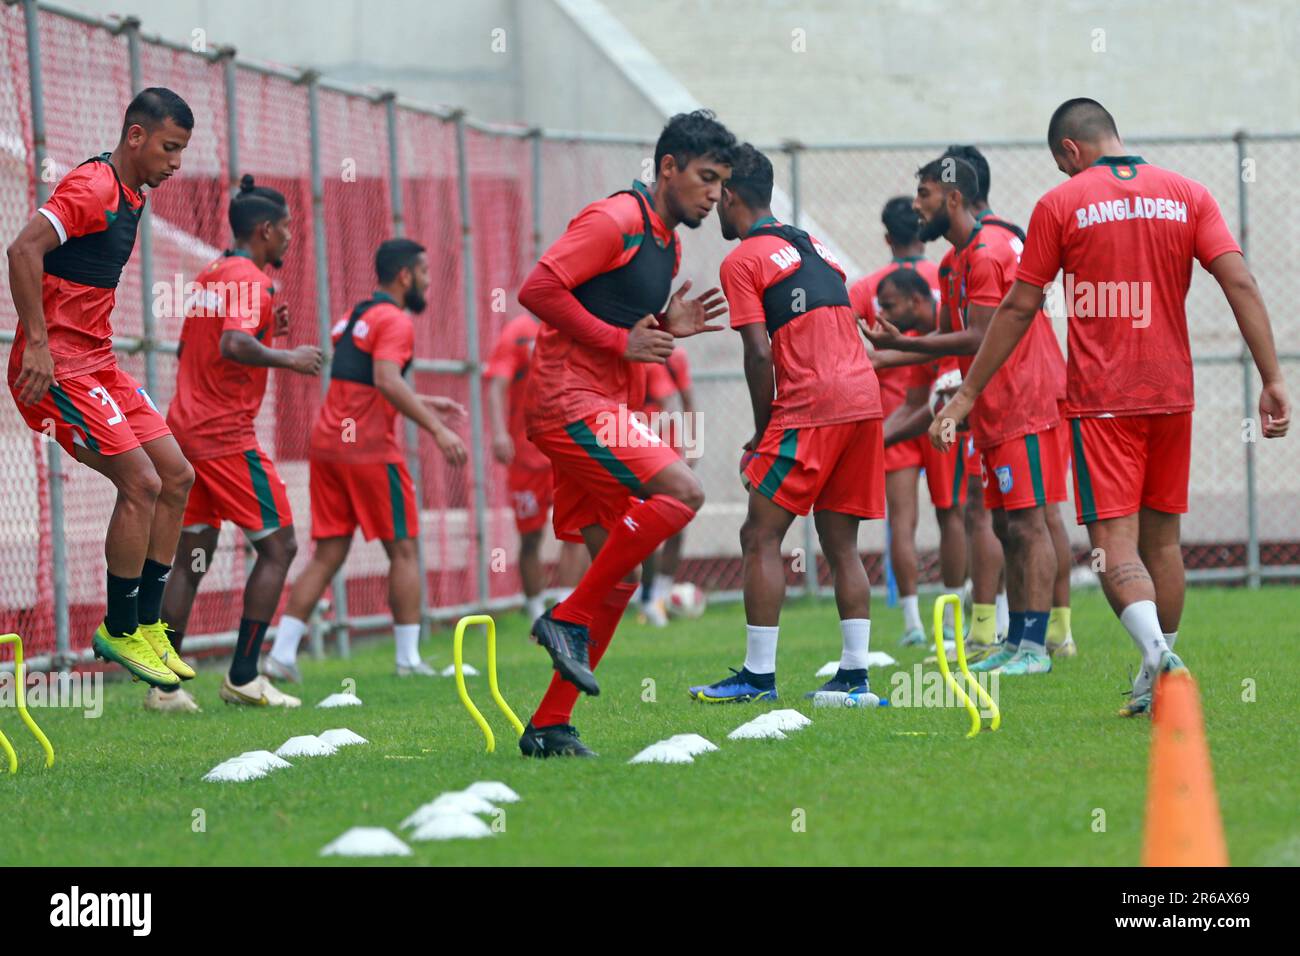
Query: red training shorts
pixel 378 496
pixel 243 488
pixel 531 495
pixel 1024 472
pixel 945 474
pixel 601 465
pixel 1124 464
pixel 107 411
pixel 824 467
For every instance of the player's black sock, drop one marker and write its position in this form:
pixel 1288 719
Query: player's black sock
pixel 152 581
pixel 244 667
pixel 761 681
pixel 121 617
pixel 853 678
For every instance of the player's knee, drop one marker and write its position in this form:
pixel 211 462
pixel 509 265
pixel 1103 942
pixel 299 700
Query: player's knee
pixel 530 544
pixel 141 487
pixel 689 490
pixel 753 535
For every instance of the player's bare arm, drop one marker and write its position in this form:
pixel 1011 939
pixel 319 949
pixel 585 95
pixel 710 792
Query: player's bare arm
pixel 1241 291
pixel 389 381
pixel 759 376
pixel 26 268
pixel 1000 333
pixel 237 346
pixel 910 419
pixel 685 317
pixel 503 447
pixel 446 408
pixel 964 342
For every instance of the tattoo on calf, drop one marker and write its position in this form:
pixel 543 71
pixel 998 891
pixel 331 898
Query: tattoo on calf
pixel 1127 573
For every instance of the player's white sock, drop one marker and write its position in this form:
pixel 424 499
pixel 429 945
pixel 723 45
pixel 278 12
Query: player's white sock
pixel 760 649
pixel 949 621
pixel 911 613
pixel 1141 621
pixel 408 644
pixel 288 634
pixel 856 632
pixel 1170 638
pixel 1003 613
pixel 559 594
pixel 534 607
pixel 663 587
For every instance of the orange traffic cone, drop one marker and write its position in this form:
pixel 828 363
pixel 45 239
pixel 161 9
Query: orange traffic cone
pixel 1183 826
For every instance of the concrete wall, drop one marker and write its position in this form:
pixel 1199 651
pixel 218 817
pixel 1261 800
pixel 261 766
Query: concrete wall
pixel 977 69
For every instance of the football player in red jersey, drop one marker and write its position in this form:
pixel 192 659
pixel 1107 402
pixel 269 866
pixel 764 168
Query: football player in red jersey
pixel 1122 225
pixel 529 479
pixel 225 356
pixel 64 268
pixel 817 444
pixel 1013 427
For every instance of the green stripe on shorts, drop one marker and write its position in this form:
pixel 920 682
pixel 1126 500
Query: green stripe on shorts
pixel 958 474
pixel 1087 504
pixel 605 457
pixel 262 489
pixel 72 417
pixel 785 462
pixel 398 501
pixel 1034 453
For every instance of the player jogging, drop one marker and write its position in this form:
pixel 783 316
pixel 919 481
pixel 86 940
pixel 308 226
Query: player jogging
pixel 619 487
pixel 906 457
pixel 64 268
pixel 1013 427
pixel 817 441
pixel 1122 223
pixel 359 476
pixel 225 355
pixel 528 477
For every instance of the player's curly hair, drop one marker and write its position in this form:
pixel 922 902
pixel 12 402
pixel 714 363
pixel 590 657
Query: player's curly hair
pixel 981 165
pixel 255 205
pixel 696 134
pixel 900 221
pixel 907 282
pixel 751 177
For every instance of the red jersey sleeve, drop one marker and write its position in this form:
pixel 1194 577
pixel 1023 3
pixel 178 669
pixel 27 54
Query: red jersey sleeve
pixel 1041 259
pixel 1213 237
pixel 394 338
pixel 680 369
pixel 862 299
pixel 80 202
pixel 984 282
pixel 740 286
pixel 591 245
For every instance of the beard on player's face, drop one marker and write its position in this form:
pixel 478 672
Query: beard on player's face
pixel 415 301
pixel 934 227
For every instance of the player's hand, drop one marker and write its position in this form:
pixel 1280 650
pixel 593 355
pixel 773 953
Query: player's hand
pixel 37 374
pixel 305 360
pixel 646 342
pixel 684 318
pixel 452 448
pixel 451 410
pixel 944 428
pixel 752 443
pixel 281 314
pixel 503 449
pixel 883 335
pixel 1274 410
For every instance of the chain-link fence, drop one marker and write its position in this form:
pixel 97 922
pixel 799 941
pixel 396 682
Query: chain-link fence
pixel 358 166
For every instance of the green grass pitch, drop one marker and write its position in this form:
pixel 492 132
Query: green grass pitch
pixel 897 786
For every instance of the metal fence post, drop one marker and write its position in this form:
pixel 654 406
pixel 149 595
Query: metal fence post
pixel 536 150
pixel 1248 383
pixel 54 455
pixel 311 78
pixel 472 360
pixel 148 328
pixel 389 100
pixel 810 582
pixel 227 57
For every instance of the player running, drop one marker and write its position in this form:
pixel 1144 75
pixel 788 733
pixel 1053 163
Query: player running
pixel 224 360
pixel 817 428
pixel 1013 427
pixel 906 457
pixel 1060 642
pixel 619 487
pixel 64 268
pixel 670 401
pixel 528 477
pixel 1120 223
pixel 358 469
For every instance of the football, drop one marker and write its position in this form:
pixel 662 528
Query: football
pixel 687 600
